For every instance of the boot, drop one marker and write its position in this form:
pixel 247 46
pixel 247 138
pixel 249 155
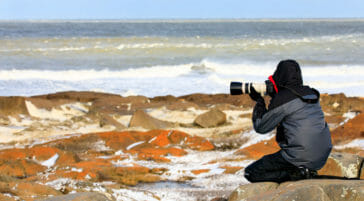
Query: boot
pixel 307 173
pixel 302 173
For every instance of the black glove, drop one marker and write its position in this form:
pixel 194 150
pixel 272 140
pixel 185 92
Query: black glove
pixel 254 95
pixel 259 110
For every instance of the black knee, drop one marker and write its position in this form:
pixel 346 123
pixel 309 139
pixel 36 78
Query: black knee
pixel 249 174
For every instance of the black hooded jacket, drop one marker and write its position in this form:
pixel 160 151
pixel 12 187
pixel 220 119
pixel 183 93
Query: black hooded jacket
pixel 295 111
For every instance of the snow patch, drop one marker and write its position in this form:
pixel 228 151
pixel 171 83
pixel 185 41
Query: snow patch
pixel 134 195
pixel 357 143
pixel 349 115
pixel 50 162
pixel 254 138
pixel 134 145
pixel 76 170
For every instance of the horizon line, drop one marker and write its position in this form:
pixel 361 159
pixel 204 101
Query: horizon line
pixel 185 19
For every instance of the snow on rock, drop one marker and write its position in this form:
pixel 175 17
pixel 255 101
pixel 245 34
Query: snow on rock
pixel 134 145
pixel 50 162
pixel 62 113
pixel 357 143
pixel 134 195
pixel 254 138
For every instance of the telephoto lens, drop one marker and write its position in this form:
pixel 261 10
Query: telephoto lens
pixel 238 88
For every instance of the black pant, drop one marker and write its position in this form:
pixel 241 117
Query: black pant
pixel 271 167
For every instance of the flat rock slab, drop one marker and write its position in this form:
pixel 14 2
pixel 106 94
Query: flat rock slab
pixel 89 196
pixel 318 190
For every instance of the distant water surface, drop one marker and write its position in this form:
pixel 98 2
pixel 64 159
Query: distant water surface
pixel 176 57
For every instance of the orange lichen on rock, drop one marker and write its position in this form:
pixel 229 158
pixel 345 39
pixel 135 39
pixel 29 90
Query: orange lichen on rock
pixel 353 129
pixel 331 168
pixel 231 169
pixel 260 149
pixel 162 151
pixel 199 143
pixel 161 140
pixel 151 157
pixel 42 153
pixel 118 140
pixel 20 168
pixel 12 154
pixel 196 172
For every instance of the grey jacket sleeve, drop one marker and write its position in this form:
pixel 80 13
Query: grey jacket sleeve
pixel 269 120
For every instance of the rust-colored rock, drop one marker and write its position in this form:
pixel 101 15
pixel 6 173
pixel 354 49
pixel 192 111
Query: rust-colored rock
pixel 231 169
pixel 197 172
pixel 161 140
pixel 260 149
pixel 199 143
pixel 353 129
pixel 20 168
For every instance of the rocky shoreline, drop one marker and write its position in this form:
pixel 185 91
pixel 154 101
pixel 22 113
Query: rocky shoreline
pixel 193 147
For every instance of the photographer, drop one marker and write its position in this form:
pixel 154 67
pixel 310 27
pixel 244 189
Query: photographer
pixel 302 132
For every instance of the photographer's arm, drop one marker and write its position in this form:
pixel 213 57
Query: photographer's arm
pixel 264 121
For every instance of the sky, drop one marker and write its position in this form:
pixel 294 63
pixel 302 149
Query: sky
pixel 179 9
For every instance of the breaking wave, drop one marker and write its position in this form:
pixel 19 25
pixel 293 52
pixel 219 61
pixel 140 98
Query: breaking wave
pixel 204 77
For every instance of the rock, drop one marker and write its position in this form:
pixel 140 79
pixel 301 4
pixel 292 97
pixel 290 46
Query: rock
pixel 342 165
pixel 251 190
pixel 339 103
pixel 219 199
pixel 321 190
pixel 212 118
pixel 260 149
pixel 108 120
pixel 6 198
pixel 142 119
pixel 351 130
pixel 27 190
pixel 89 196
pixel 13 105
pixel 20 168
pixel 209 99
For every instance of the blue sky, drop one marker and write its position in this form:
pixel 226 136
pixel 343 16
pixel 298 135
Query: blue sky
pixel 179 9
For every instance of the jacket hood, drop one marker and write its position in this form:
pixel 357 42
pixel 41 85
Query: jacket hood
pixel 288 76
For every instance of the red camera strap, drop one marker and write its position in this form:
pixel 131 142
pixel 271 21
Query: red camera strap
pixel 274 83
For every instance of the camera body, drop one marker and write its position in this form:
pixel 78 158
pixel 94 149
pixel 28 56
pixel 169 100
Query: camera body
pixel 238 88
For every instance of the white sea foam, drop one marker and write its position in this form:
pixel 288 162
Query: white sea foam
pixel 206 76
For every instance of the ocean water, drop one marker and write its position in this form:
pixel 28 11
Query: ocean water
pixel 155 58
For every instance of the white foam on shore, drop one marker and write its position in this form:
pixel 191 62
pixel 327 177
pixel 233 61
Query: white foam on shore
pixel 209 75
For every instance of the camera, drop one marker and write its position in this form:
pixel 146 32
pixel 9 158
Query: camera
pixel 238 88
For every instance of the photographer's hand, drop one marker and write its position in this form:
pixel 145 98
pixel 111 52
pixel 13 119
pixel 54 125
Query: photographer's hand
pixel 254 95
pixel 259 108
